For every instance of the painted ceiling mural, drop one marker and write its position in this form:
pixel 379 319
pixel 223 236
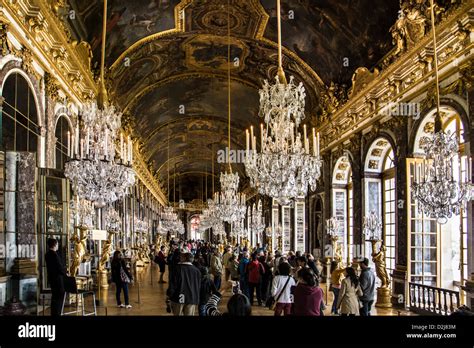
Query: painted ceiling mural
pixel 323 33
pixel 159 66
pixel 192 115
pixel 128 22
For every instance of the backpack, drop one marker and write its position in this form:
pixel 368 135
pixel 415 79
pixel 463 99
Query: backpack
pixel 255 271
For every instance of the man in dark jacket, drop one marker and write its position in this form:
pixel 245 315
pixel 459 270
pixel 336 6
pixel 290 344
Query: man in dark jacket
pixel 172 260
pixel 367 283
pixel 56 272
pixel 185 286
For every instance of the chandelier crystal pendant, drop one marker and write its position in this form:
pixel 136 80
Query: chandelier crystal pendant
pixel 285 165
pixel 230 203
pixel 97 170
pixel 436 189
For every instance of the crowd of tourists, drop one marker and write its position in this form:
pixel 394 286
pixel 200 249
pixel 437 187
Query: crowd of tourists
pixel 199 272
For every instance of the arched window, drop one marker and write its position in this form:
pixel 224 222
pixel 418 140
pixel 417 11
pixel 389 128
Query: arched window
pixel 62 133
pixel 438 253
pixel 342 208
pixel 20 128
pixel 381 195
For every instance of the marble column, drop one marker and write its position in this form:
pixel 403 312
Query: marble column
pixel 357 168
pixel 327 172
pixel 10 208
pixel 399 275
pixel 469 283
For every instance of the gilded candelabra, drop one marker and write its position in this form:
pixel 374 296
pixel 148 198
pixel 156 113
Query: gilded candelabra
pixel 332 227
pixel 105 257
pixel 373 233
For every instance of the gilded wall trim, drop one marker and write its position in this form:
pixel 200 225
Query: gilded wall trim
pixel 410 76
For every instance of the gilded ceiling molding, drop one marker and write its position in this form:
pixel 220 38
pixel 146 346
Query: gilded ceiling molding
pixel 48 34
pixel 145 176
pixel 411 75
pixel 65 58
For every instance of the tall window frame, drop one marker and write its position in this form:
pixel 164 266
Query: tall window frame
pixel 389 210
pixel 434 237
pixel 342 205
pixel 380 195
pixel 63 130
pixel 20 116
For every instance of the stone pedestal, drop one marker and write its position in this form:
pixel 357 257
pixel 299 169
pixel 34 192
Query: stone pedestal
pixel 469 290
pixel 103 276
pixel 384 298
pixel 399 284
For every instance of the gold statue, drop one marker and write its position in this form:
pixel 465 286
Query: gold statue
pixel 247 243
pixel 338 252
pixel 106 250
pixel 411 25
pixel 379 260
pixel 79 241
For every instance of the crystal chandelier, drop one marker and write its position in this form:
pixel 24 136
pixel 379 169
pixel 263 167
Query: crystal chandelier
pixel 97 171
pixel 285 166
pixel 258 221
pixel 82 212
pixel 239 230
pixel 230 203
pixel 169 220
pixel 438 193
pixel 210 216
pixel 219 230
pixel 332 227
pixel 113 221
pixel 140 225
pixel 372 227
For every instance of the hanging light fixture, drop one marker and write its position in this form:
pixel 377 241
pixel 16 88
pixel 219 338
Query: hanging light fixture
pixel 98 172
pixel 82 212
pixel 372 225
pixel 438 193
pixel 113 220
pixel 230 203
pixel 285 166
pixel 170 221
pixel 258 221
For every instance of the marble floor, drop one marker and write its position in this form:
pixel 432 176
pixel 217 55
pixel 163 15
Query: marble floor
pixel 147 298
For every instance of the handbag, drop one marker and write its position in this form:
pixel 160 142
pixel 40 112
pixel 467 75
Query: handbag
pixel 271 302
pixel 123 276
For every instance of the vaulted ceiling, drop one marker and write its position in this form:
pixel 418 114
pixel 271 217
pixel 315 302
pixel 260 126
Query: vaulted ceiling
pixel 167 63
